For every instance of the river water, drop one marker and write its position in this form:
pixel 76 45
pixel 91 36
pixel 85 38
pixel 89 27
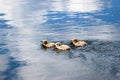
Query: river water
pixel 24 23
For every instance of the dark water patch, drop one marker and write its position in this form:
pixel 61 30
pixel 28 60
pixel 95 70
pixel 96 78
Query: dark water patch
pixel 104 47
pixel 2 44
pixel 11 72
pixel 3 21
pixel 4 25
pixel 4 51
pixel 2 14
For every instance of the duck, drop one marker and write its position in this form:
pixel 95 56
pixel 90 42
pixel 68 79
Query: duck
pixel 62 47
pixel 78 43
pixel 47 44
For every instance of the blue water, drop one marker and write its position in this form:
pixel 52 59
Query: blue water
pixel 24 23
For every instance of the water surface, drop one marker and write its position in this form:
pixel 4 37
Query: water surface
pixel 24 23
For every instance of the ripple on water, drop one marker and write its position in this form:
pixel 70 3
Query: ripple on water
pixel 100 55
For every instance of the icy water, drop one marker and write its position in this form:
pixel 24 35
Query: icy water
pixel 24 23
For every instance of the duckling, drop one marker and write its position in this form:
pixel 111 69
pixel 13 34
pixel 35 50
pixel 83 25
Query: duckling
pixel 78 43
pixel 63 47
pixel 47 45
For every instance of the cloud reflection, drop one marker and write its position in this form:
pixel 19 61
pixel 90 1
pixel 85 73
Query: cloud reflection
pixel 77 5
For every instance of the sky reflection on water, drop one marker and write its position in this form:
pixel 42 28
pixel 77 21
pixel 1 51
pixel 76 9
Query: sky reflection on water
pixel 26 22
